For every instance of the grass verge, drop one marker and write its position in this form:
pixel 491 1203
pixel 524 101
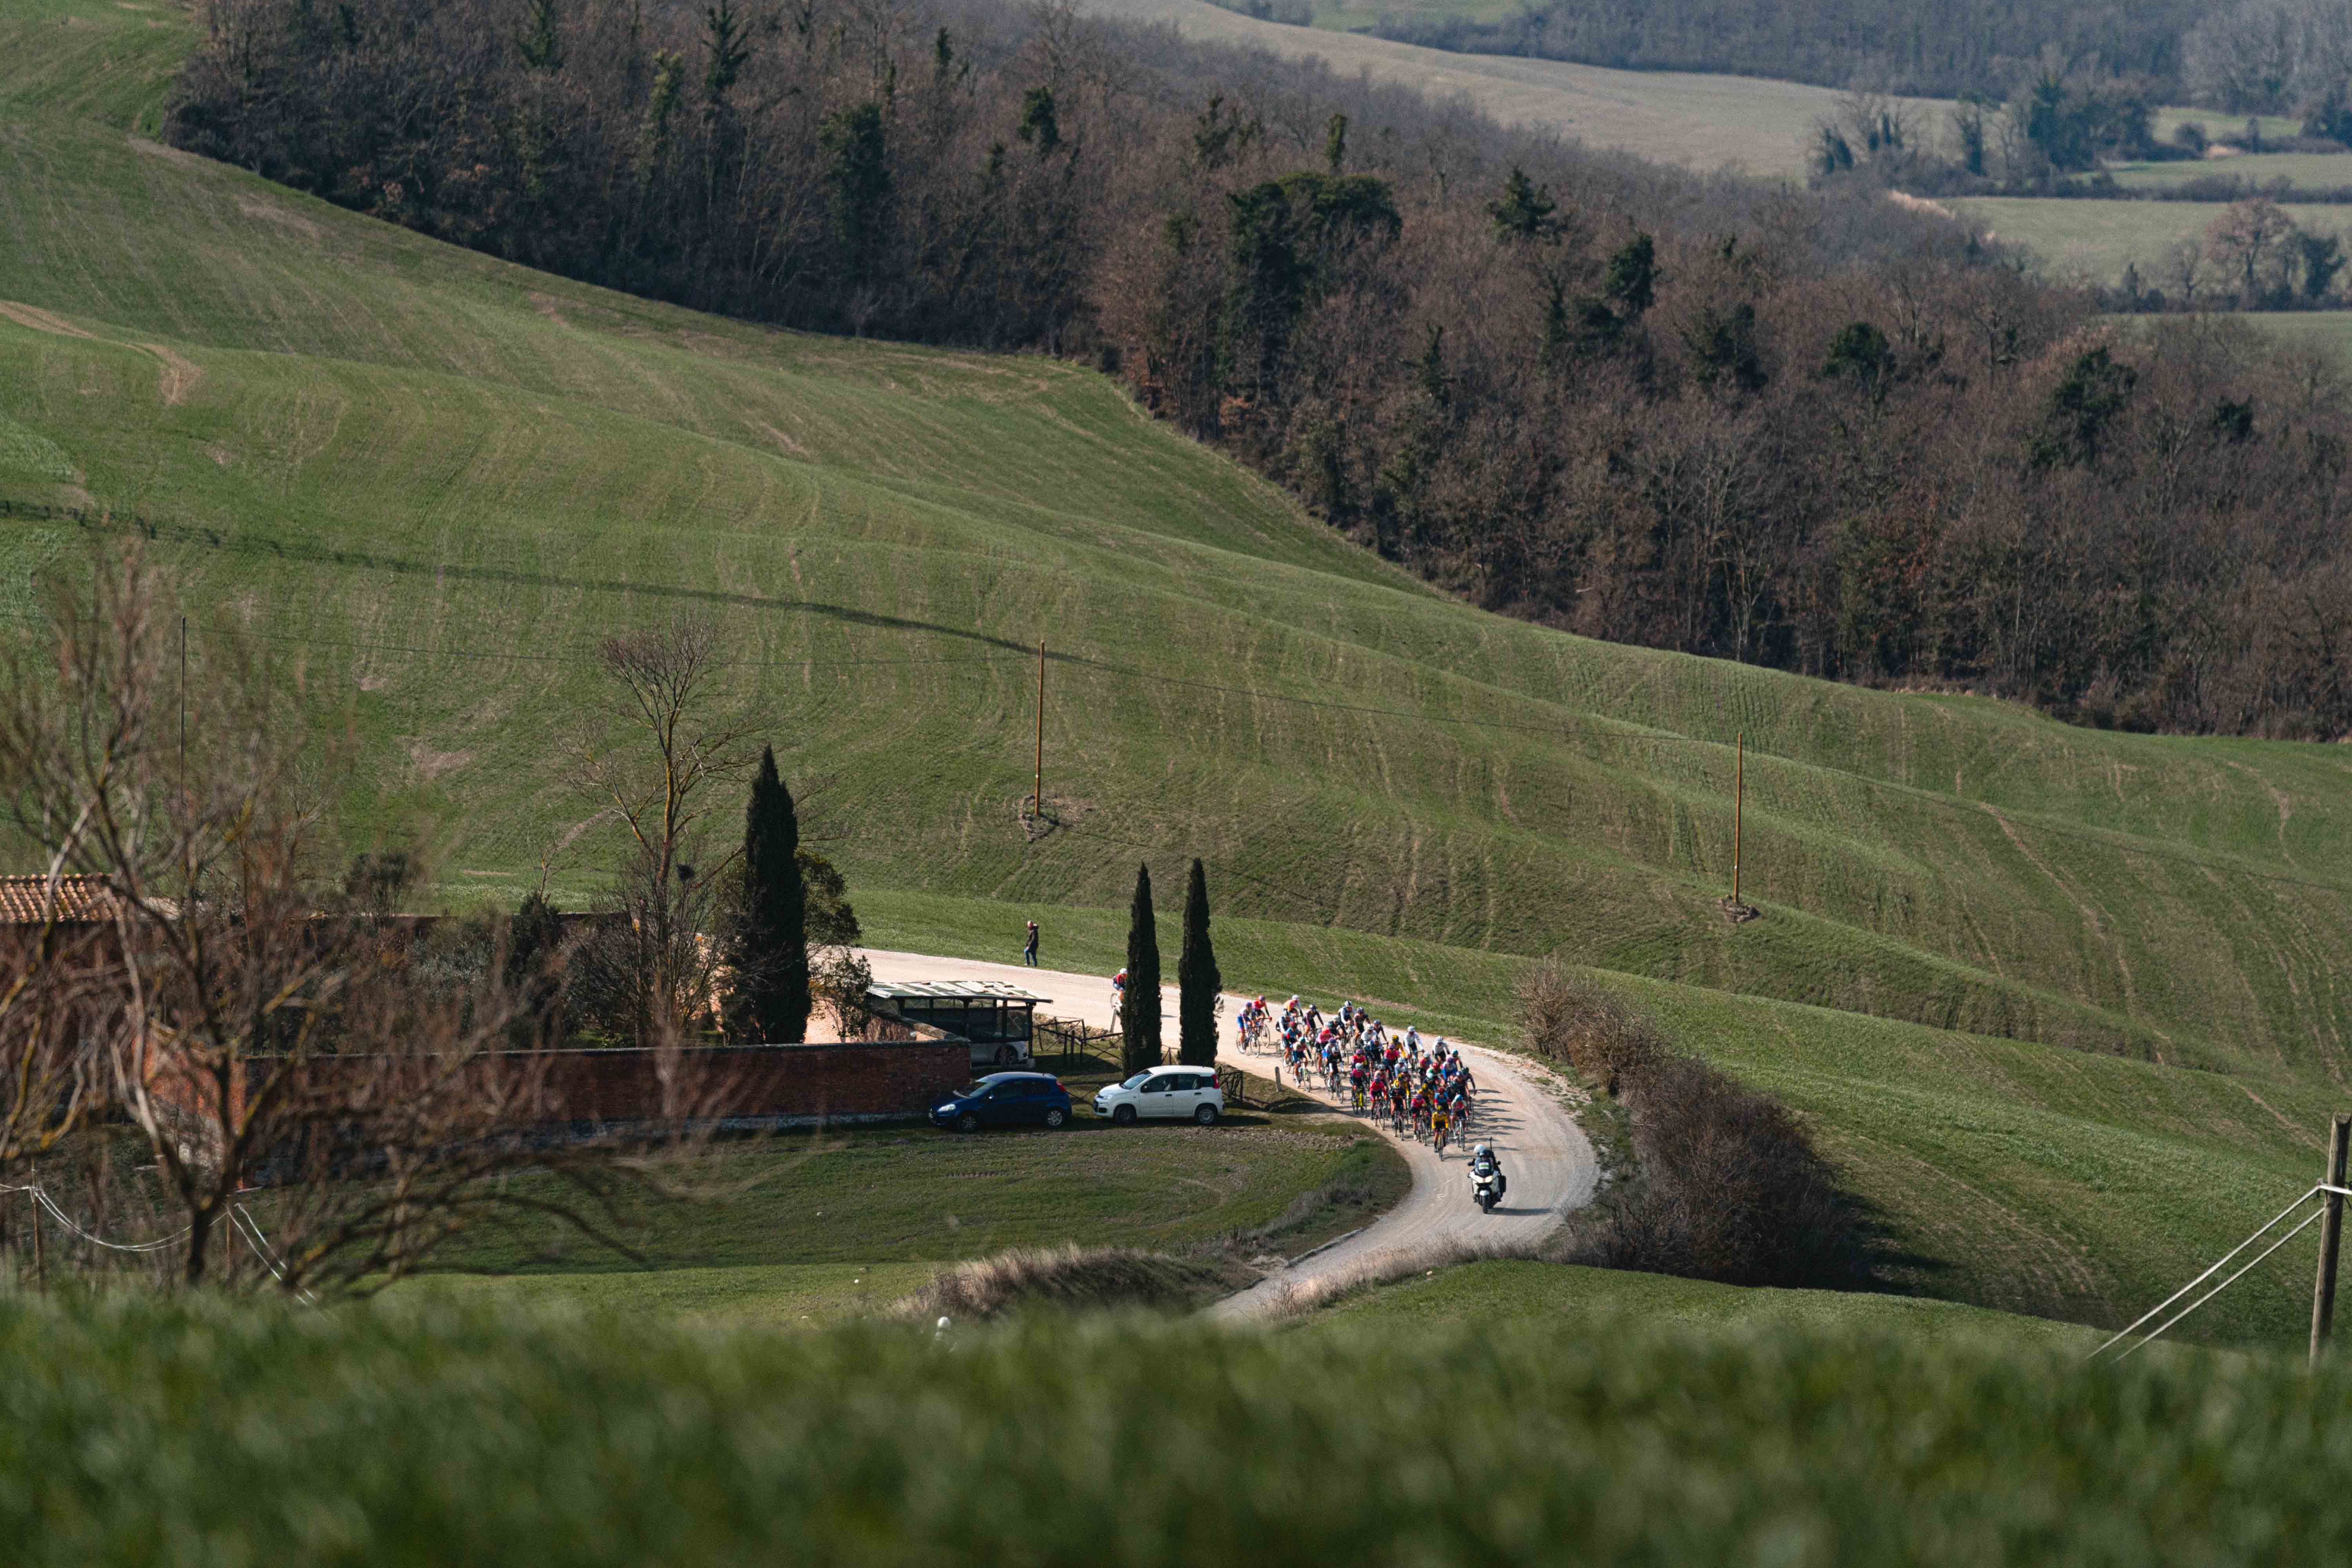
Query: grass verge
pixel 802 1228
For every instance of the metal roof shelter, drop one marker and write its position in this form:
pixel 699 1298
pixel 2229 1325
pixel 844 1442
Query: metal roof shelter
pixel 975 1010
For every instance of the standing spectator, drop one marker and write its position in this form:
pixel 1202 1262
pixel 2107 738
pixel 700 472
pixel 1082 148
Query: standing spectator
pixel 1029 948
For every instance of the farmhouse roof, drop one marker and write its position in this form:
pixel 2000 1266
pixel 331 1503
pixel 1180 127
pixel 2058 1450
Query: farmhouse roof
pixel 25 901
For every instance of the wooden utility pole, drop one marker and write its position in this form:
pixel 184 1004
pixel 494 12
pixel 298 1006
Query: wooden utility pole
pixel 40 1259
pixel 1738 801
pixel 2331 1232
pixel 1037 801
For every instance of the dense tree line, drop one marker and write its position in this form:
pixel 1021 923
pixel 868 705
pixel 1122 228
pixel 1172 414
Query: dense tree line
pixel 1936 51
pixel 2054 126
pixel 1814 430
pixel 2253 256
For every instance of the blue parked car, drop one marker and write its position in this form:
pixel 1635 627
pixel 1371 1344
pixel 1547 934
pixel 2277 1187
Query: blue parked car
pixel 1006 1099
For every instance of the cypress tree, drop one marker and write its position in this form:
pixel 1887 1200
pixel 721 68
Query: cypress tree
pixel 1197 980
pixel 1139 1011
pixel 771 945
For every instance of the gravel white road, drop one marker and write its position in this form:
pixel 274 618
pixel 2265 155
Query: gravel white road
pixel 1523 1115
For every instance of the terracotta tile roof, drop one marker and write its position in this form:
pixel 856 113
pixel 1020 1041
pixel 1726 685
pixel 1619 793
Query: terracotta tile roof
pixel 23 898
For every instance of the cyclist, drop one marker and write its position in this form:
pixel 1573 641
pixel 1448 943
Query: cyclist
pixel 1441 1127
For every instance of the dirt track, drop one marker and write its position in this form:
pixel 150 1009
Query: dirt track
pixel 1550 1163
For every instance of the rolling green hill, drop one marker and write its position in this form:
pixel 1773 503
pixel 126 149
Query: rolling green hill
pixel 2064 1002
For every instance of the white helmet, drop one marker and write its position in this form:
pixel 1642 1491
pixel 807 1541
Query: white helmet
pixel 1482 1152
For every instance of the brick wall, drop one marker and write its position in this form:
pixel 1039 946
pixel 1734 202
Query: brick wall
pixel 757 1082
pixel 763 1084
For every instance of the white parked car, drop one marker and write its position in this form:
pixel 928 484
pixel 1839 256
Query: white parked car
pixel 1177 1093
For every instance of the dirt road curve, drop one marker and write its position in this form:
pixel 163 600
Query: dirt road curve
pixel 1550 1165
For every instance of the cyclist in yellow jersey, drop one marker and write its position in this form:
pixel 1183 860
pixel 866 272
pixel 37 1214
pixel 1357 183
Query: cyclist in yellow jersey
pixel 1439 1125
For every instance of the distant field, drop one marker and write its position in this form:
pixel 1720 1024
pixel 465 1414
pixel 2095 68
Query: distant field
pixel 2327 331
pixel 2094 239
pixel 2274 127
pixel 2317 329
pixel 1699 120
pixel 2316 170
pixel 1344 15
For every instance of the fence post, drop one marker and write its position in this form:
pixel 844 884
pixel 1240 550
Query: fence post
pixel 2331 1232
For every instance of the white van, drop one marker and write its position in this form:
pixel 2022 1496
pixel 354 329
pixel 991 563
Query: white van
pixel 1173 1094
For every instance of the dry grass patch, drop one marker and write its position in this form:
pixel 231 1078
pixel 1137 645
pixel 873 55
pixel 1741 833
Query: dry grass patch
pixel 1071 1279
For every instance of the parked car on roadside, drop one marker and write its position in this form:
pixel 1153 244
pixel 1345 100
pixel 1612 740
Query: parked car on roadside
pixel 1006 1099
pixel 1177 1093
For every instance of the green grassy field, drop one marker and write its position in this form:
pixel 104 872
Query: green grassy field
pixel 2274 127
pixel 1344 16
pixel 197 1432
pixel 797 1231
pixel 2328 170
pixel 2093 239
pixel 2066 1003
pixel 2327 330
pixel 1558 1295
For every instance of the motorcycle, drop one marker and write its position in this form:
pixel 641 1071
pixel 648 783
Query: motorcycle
pixel 1486 1189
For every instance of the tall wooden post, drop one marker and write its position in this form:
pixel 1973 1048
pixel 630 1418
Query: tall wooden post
pixel 40 1259
pixel 1738 801
pixel 2331 1232
pixel 1037 801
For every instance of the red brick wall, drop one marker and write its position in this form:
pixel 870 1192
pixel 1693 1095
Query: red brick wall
pixel 893 1079
pixel 711 1082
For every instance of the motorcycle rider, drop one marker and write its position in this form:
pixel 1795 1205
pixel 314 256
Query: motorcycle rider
pixel 1484 1163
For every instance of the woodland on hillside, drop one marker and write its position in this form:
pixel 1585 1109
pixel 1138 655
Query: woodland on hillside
pixel 1811 430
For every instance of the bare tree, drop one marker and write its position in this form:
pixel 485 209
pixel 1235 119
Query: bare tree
pixel 2250 239
pixel 651 762
pixel 256 1034
pixel 2184 267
